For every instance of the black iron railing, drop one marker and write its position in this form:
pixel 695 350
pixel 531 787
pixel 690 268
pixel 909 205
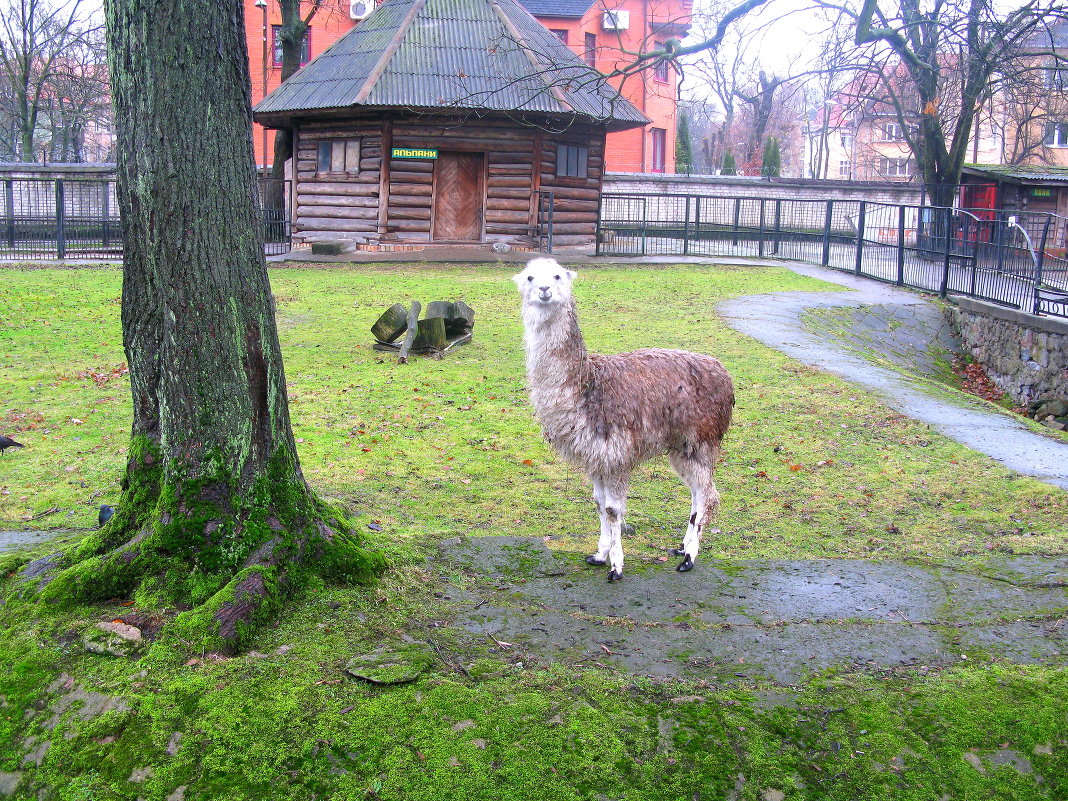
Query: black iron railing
pixel 543 232
pixel 1010 258
pixel 75 218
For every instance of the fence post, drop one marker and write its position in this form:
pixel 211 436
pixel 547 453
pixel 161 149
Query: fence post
pixel 686 230
pixel 61 214
pixel 857 262
pixel 9 202
pixel 1042 244
pixel 737 219
pixel 826 261
pixel 106 212
pixel 697 220
pixel 900 245
pixel 760 235
pixel 943 288
pixel 778 225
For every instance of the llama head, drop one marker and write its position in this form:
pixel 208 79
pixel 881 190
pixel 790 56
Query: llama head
pixel 545 284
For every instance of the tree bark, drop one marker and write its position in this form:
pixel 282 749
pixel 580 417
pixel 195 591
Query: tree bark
pixel 215 511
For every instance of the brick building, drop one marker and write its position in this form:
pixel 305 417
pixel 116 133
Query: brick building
pixel 604 33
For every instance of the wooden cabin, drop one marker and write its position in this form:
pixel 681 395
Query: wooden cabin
pixel 441 122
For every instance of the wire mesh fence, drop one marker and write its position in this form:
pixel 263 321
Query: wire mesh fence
pixel 65 218
pixel 1008 258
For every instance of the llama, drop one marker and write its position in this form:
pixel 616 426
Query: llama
pixel 607 414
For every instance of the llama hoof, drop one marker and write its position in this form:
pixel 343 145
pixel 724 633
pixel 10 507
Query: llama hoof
pixel 594 559
pixel 685 565
pixel 614 575
pixel 677 551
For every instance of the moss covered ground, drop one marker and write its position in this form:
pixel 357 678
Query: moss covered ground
pixel 813 468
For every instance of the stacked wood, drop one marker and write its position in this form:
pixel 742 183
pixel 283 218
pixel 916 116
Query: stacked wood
pixel 447 324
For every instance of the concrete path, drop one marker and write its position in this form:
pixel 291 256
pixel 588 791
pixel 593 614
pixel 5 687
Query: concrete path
pixel 775 620
pixel 775 320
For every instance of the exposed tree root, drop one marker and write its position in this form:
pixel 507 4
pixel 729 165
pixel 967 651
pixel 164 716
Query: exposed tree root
pixel 228 569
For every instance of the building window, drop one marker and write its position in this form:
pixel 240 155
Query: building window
pixel 559 34
pixel 659 140
pixel 276 46
pixel 589 49
pixel 1056 134
pixel 339 157
pixel 572 161
pixel 892 132
pixel 847 141
pixel 896 168
pixel 660 68
pixel 845 169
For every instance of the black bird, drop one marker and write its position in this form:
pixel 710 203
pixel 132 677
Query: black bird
pixel 106 513
pixel 7 442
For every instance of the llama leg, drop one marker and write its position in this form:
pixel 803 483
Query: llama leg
pixel 604 542
pixel 697 474
pixel 614 510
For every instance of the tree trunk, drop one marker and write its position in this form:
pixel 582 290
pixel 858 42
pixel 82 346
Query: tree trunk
pixel 215 512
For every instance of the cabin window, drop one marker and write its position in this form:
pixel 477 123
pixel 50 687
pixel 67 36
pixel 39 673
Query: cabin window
pixel 276 46
pixel 339 157
pixel 572 161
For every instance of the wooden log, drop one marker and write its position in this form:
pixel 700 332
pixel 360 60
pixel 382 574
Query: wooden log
pixel 431 333
pixel 507 181
pixel 417 190
pixel 507 204
pixel 463 339
pixel 410 202
pixel 413 329
pixel 516 217
pixel 407 213
pixel 458 316
pixel 409 225
pixel 392 323
pixel 317 201
pixel 339 212
pixel 409 177
pixel 350 188
pixel 328 224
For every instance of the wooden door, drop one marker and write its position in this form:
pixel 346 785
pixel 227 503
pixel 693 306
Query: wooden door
pixel 459 195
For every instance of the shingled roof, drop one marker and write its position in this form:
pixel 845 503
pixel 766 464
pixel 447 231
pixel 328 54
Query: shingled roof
pixel 472 55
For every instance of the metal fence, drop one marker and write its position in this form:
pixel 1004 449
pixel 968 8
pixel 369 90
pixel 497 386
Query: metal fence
pixel 1014 259
pixel 546 205
pixel 65 218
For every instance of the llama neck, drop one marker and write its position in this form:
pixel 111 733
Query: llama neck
pixel 556 352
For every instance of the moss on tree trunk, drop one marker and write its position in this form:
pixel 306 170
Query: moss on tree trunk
pixel 215 513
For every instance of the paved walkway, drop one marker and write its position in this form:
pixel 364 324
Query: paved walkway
pixel 775 320
pixel 767 619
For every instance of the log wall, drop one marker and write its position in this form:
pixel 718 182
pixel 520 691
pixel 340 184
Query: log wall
pixel 518 160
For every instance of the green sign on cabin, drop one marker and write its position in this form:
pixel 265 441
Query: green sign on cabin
pixel 1041 192
pixel 414 153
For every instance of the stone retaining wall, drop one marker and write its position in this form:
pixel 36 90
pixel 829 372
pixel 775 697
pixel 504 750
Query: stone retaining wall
pixel 744 186
pixel 1025 355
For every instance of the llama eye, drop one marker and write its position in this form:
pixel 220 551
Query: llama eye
pixel 530 277
pixel 556 277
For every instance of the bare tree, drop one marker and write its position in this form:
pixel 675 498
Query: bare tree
pixel 935 67
pixel 38 39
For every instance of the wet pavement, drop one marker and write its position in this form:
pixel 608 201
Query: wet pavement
pixel 777 320
pixel 776 620
pixel 10 540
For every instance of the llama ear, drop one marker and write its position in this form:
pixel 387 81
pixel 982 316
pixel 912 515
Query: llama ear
pixel 518 278
pixel 572 275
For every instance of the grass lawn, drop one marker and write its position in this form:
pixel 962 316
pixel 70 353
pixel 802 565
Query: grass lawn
pixel 813 468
